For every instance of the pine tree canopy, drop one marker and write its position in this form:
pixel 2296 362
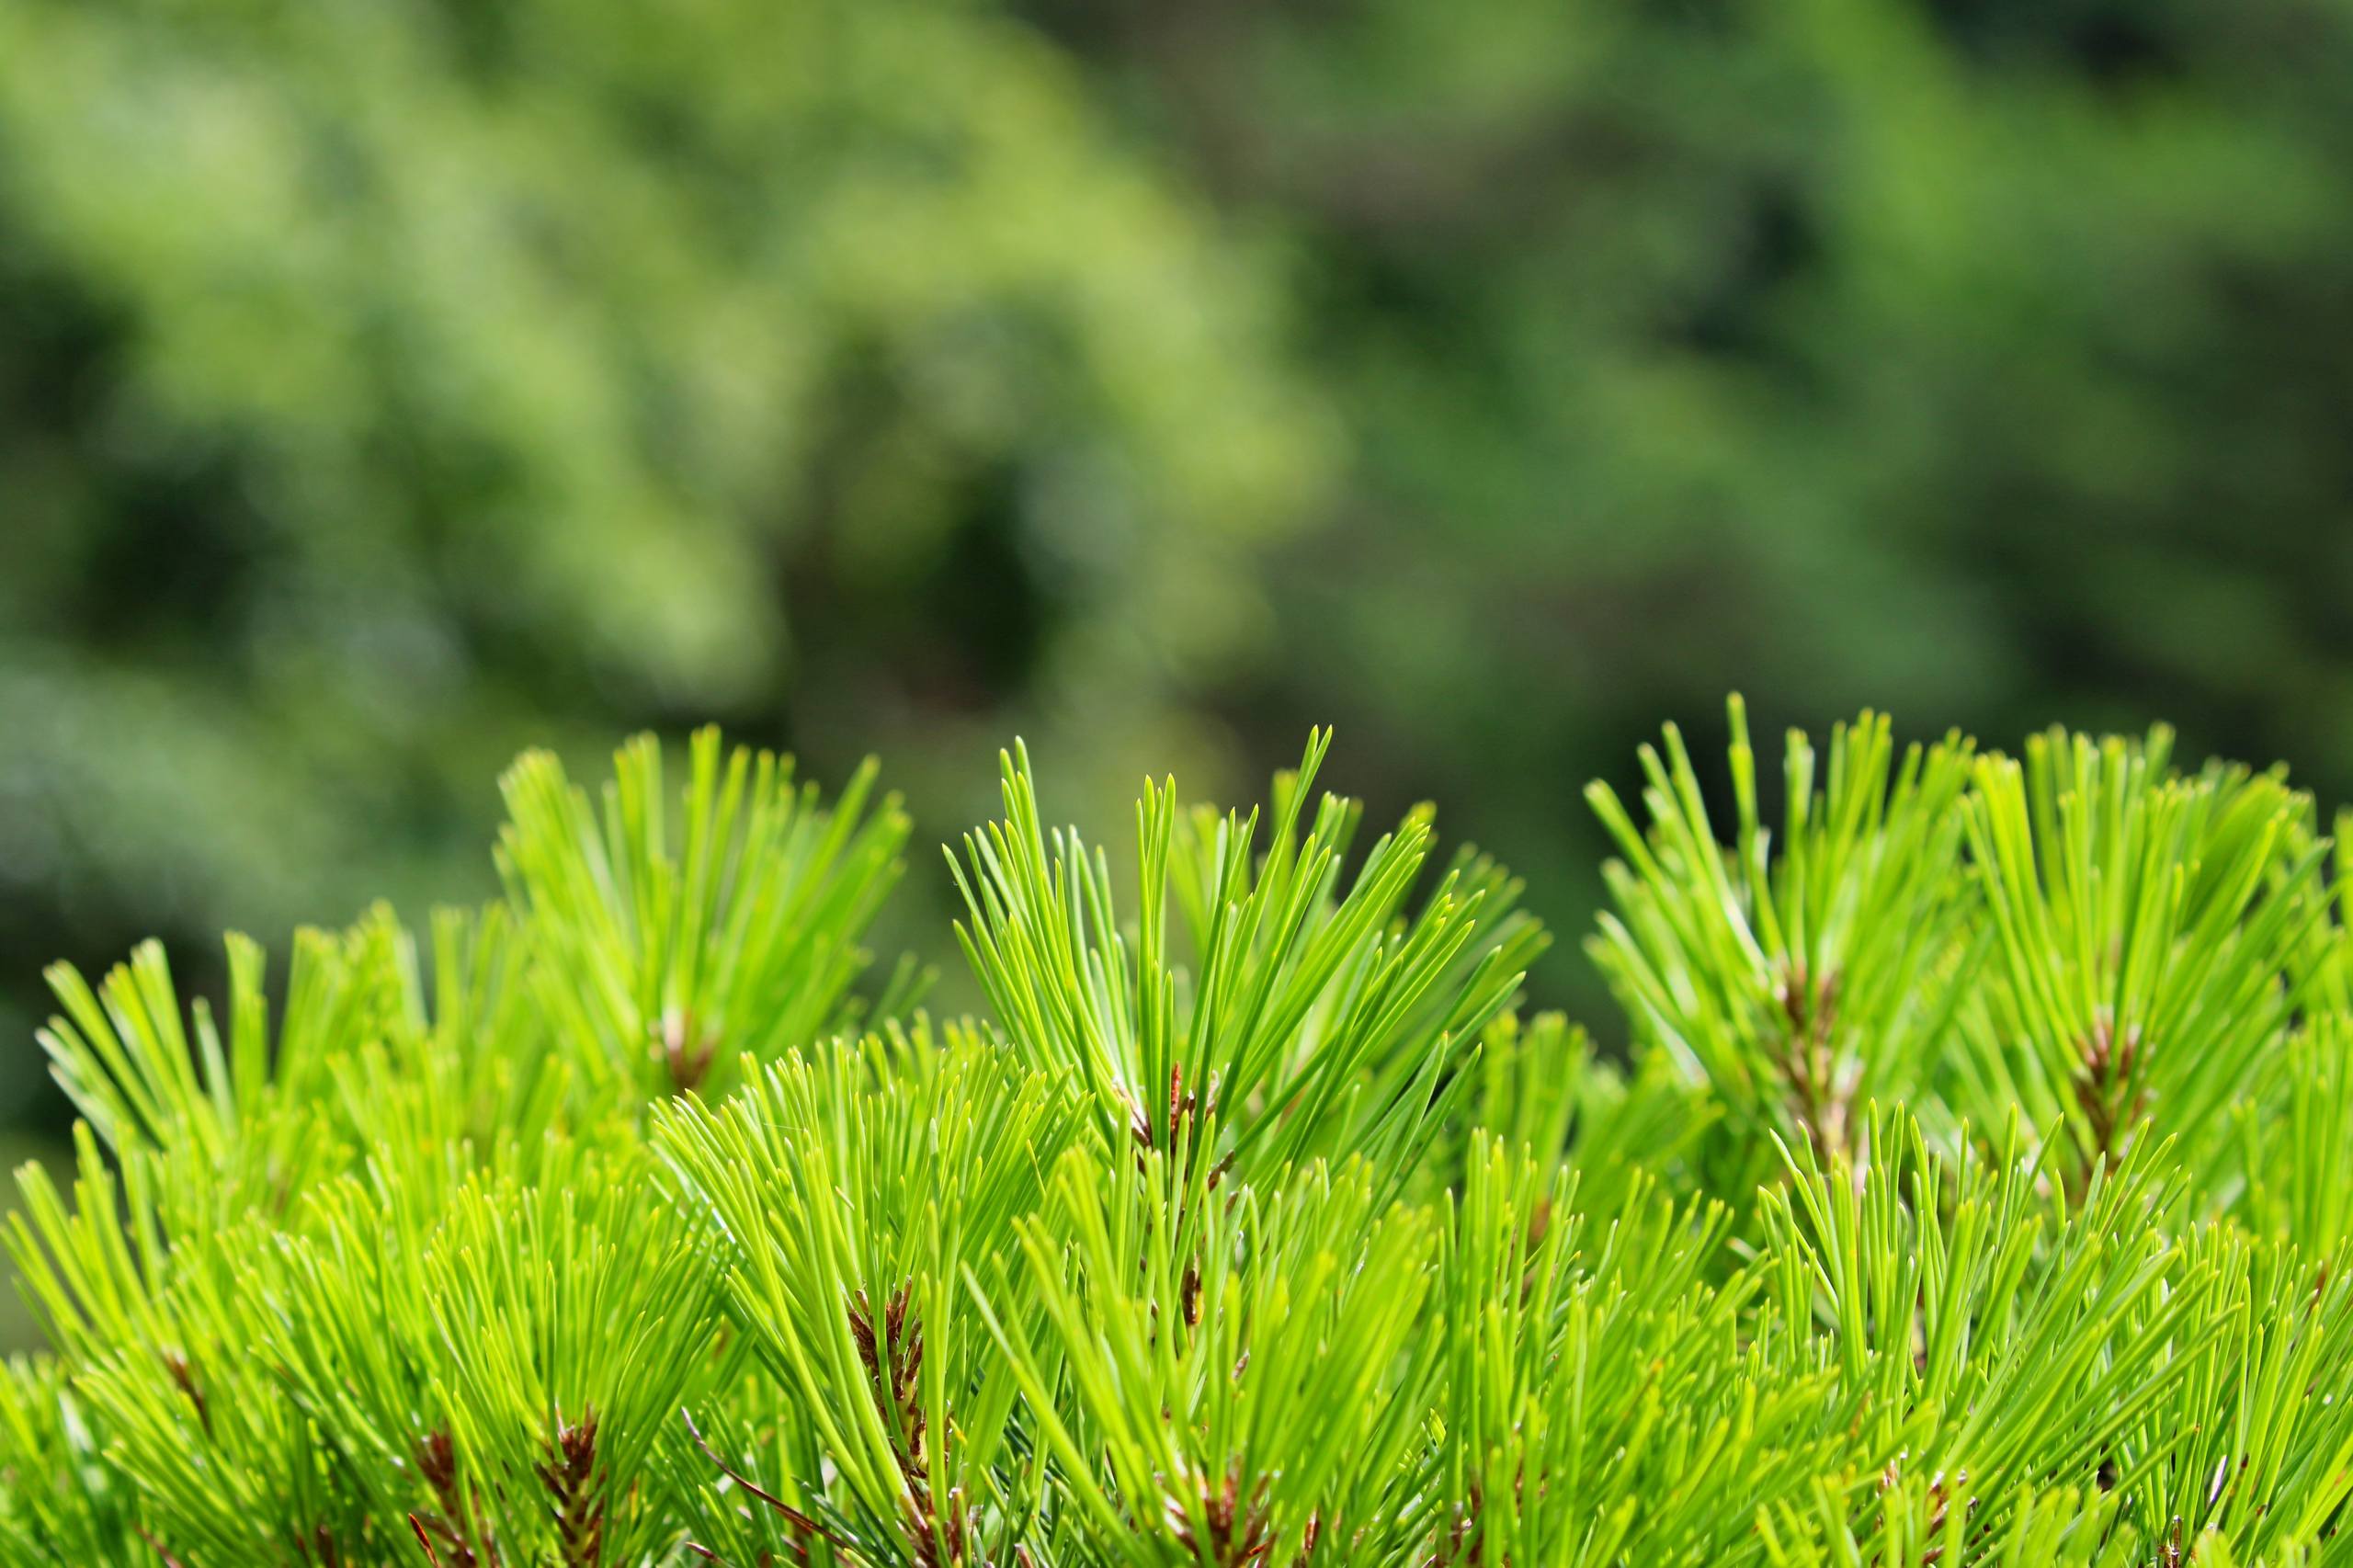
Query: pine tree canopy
pixel 1973 1189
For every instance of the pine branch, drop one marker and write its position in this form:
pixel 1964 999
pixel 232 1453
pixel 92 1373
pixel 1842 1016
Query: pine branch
pixel 1799 982
pixel 1255 1230
pixel 664 958
pixel 1320 1015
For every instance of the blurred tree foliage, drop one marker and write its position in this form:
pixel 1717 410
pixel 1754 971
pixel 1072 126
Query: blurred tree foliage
pixel 1981 358
pixel 384 385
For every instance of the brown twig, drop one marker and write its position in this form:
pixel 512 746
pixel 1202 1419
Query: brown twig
pixel 1810 1013
pixel 686 1054
pixel 157 1547
pixel 793 1516
pixel 183 1375
pixel 572 1480
pixel 893 1361
pixel 437 1463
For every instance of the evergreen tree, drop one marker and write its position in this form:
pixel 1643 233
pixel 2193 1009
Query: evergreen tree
pixel 1974 1193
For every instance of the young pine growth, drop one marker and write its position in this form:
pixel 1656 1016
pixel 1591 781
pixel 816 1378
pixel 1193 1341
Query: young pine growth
pixel 853 1190
pixel 1230 1380
pixel 1293 1009
pixel 663 958
pixel 2146 930
pixel 1803 975
pixel 626 1224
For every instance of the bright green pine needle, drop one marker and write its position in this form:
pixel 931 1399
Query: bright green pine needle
pixel 1310 1011
pixel 1977 1190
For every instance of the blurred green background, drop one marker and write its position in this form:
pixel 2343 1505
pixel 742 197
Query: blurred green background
pixel 387 385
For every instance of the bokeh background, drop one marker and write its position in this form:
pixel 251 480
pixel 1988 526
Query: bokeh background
pixel 387 385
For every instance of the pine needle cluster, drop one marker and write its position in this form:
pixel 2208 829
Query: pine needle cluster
pixel 1974 1192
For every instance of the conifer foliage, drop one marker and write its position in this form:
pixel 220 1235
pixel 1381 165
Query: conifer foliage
pixel 1974 1190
